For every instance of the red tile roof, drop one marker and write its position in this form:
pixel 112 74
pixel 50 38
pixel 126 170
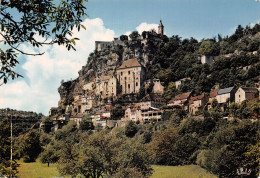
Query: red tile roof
pixel 181 96
pixel 130 63
pixel 214 93
pixel 192 99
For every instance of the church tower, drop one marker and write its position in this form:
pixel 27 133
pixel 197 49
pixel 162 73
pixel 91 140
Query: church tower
pixel 161 28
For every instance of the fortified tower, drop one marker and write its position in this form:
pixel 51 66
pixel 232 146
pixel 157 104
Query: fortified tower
pixel 161 28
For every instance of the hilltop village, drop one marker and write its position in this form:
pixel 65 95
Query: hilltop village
pixel 118 85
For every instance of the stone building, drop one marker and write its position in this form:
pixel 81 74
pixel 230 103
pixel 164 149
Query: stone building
pixel 152 100
pixel 100 45
pixel 133 112
pixel 205 59
pixel 161 28
pixel 197 103
pixel 130 76
pixel 180 100
pixel 244 93
pixel 226 95
pixel 180 82
pixel 109 85
pixel 212 96
pixel 158 86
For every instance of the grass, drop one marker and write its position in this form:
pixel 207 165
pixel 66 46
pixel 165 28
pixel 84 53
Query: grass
pixel 37 170
pixel 188 171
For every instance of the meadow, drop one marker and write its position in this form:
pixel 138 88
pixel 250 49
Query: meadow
pixel 39 170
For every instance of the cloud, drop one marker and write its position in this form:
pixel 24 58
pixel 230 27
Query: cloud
pixel 146 27
pixel 46 72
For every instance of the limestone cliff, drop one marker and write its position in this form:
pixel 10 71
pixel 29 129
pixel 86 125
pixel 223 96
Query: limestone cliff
pixel 99 83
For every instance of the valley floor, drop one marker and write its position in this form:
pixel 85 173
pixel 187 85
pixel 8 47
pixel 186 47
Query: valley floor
pixel 37 169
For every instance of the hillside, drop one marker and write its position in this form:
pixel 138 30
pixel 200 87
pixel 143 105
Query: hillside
pixel 199 67
pixel 22 121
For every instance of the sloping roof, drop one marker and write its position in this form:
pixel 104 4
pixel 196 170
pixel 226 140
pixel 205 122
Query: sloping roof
pixel 181 96
pixel 153 97
pixel 225 90
pixel 192 99
pixel 214 93
pixel 249 89
pixel 130 63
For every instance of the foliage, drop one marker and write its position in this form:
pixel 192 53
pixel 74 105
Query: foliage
pixel 5 148
pixel 86 124
pixel 117 113
pixel 66 130
pixel 162 147
pixel 253 158
pixel 103 154
pixel 49 155
pixel 130 129
pixel 209 47
pixel 30 146
pixel 134 35
pixel 53 22
pixel 227 149
pixel 124 38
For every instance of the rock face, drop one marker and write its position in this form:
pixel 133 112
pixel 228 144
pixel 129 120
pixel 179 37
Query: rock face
pixel 112 71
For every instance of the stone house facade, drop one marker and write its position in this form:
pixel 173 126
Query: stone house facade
pixel 197 103
pixel 244 93
pixel 152 100
pixel 158 86
pixel 180 100
pixel 207 59
pixel 212 96
pixel 226 94
pixel 130 76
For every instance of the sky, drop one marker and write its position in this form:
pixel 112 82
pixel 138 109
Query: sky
pixel 199 19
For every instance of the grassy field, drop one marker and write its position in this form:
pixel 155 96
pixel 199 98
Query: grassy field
pixel 190 171
pixel 39 170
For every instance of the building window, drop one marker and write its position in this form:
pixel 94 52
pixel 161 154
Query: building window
pixel 129 86
pixel 121 73
pixel 128 72
pixel 125 78
pixel 136 84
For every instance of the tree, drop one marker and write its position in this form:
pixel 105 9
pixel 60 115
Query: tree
pixel 31 147
pixel 37 23
pixel 253 158
pixel 5 148
pixel 86 124
pixel 134 160
pixel 209 47
pixel 117 113
pixel 124 38
pixel 134 35
pixel 49 155
pixel 162 146
pixel 130 129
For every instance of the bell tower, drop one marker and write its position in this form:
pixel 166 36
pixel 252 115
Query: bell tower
pixel 161 28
